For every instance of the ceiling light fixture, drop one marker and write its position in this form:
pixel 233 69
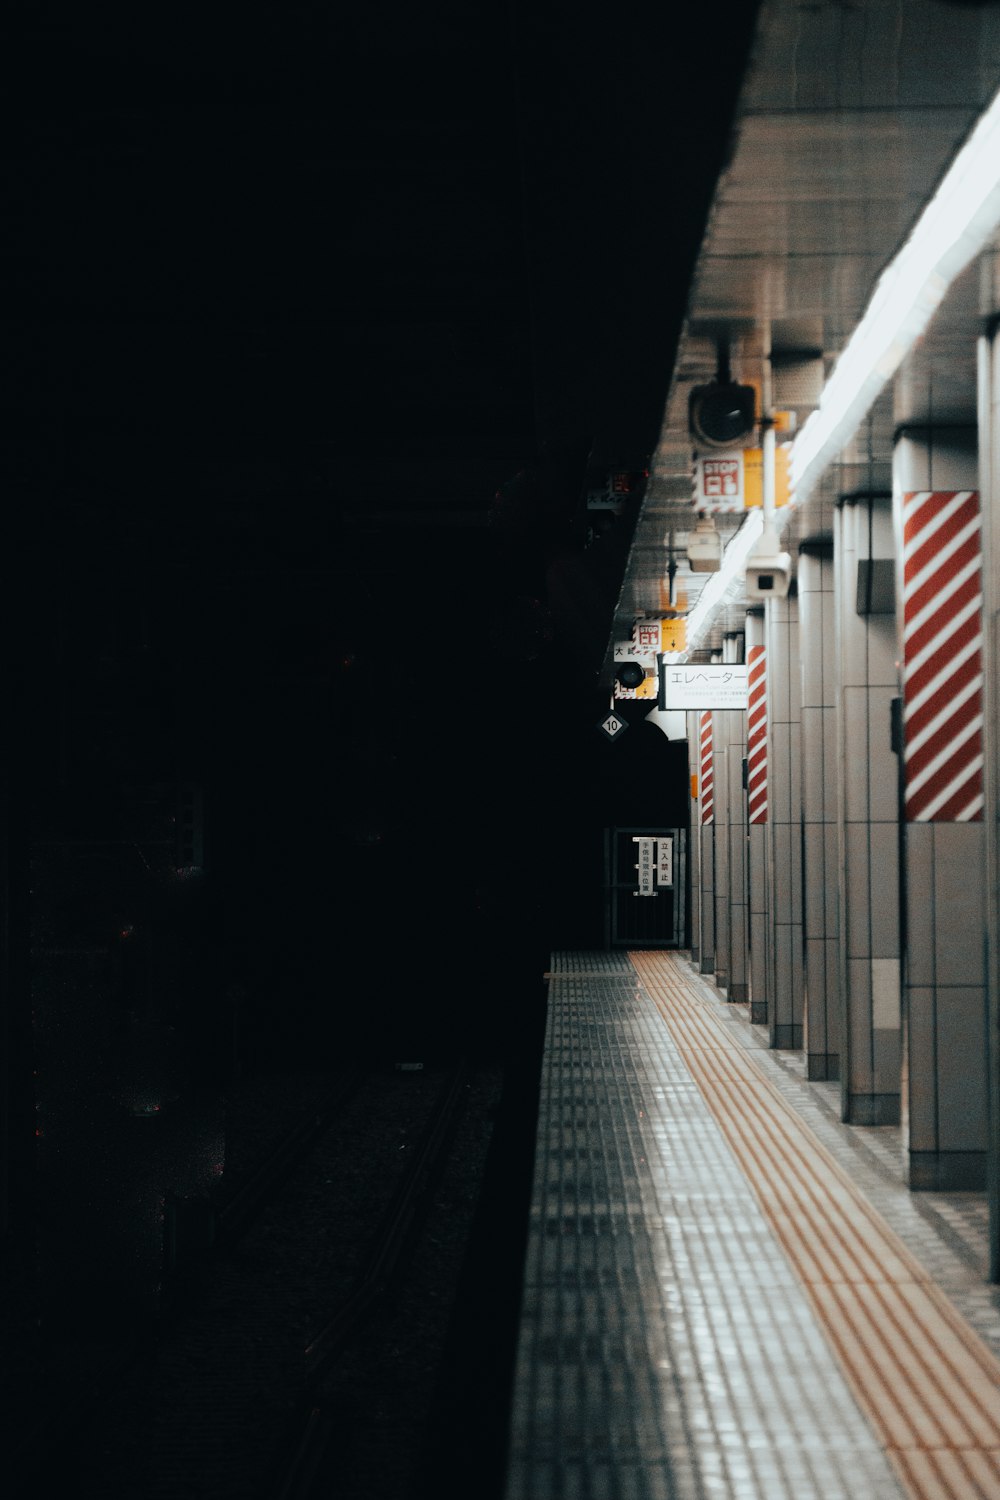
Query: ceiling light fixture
pixel 955 225
pixel 713 594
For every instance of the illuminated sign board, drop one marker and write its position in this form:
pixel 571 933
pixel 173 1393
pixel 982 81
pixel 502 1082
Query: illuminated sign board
pixel 715 685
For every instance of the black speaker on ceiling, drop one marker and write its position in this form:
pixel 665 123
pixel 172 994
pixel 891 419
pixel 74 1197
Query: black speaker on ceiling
pixel 722 414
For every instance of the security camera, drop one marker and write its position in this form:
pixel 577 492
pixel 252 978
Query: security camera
pixel 704 548
pixel 769 570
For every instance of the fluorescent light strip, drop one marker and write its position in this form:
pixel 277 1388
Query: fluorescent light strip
pixel 955 225
pixel 713 594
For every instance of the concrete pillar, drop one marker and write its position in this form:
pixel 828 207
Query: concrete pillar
pixel 720 826
pixel 868 824
pixel 820 862
pixel 757 819
pixel 694 837
pixel 989 491
pixel 706 837
pixel 784 821
pixel 937 519
pixel 738 989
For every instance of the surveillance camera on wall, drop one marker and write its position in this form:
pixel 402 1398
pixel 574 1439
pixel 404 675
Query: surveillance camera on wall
pixel 704 548
pixel 769 570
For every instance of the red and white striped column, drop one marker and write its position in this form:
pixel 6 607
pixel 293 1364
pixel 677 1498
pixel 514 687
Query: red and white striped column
pixel 706 833
pixel 943 656
pixel 756 735
pixel 707 768
pixel 939 533
pixel 758 929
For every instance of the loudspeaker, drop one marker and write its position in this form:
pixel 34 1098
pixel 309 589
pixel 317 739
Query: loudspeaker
pixel 722 414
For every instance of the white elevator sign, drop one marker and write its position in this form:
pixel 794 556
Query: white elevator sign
pixel 706 685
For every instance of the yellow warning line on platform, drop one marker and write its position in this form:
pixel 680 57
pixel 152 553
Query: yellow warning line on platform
pixel 928 1383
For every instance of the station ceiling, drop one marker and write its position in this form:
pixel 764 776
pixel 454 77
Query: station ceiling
pixel 321 321
pixel 343 302
pixel 848 116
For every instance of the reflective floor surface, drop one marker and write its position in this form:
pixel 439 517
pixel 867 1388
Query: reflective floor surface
pixel 728 1292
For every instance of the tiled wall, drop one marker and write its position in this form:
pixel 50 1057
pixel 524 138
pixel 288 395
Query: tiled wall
pixel 944 978
pixel 820 913
pixel 785 1009
pixel 757 852
pixel 720 757
pixel 739 961
pixel 868 826
pixel 694 835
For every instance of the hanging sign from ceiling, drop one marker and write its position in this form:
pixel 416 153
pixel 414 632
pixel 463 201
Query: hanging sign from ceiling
pixel 733 480
pixel 705 685
pixel 645 661
pixel 651 636
pixel 613 726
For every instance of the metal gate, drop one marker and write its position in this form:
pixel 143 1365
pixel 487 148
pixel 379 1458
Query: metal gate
pixel 645 879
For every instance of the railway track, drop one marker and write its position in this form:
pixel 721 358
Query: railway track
pixel 315 1423
pixel 55 1431
pixel 254 1326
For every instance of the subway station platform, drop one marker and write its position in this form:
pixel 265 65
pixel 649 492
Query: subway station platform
pixel 728 1292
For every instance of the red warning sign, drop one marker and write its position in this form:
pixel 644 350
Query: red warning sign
pixel 722 478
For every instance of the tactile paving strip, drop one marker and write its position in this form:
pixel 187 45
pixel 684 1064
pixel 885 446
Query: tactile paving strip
pixel 666 1350
pixel 927 1382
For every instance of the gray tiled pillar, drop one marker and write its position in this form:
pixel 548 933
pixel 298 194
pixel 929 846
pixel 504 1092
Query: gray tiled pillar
pixel 738 989
pixel 868 823
pixel 820 903
pixel 706 838
pixel 694 838
pixel 757 832
pixel 720 764
pixel 989 487
pixel 784 821
pixel 937 518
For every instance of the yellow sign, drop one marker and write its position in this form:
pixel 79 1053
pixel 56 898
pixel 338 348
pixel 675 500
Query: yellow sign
pixel 673 635
pixel 733 481
pixel 653 636
pixel 694 787
pixel 647 688
pixel 753 476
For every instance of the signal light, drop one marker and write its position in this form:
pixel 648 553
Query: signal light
pixel 630 674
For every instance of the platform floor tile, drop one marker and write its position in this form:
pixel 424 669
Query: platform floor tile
pixel 666 1348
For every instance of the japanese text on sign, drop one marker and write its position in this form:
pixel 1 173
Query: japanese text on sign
pixel 664 861
pixel 722 478
pixel 646 636
pixel 645 866
pixel 716 685
pixel 734 481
